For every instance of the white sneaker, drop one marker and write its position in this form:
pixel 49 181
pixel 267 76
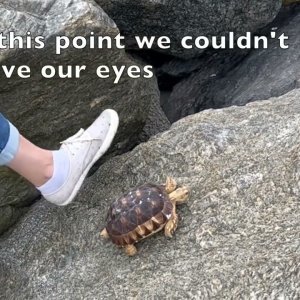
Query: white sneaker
pixel 83 150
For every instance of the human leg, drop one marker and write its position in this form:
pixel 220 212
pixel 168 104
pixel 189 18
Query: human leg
pixel 32 162
pixel 58 174
pixel 9 141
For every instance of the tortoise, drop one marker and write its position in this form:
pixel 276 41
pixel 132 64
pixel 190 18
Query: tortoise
pixel 142 212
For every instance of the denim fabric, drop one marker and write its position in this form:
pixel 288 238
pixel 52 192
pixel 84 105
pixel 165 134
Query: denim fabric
pixel 4 132
pixel 9 141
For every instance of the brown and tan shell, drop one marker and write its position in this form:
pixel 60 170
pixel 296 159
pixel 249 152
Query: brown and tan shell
pixel 138 214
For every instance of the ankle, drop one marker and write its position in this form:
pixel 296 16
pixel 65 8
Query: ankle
pixel 33 163
pixel 55 173
pixel 48 167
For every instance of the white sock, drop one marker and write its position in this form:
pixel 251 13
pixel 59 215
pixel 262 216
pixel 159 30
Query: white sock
pixel 61 167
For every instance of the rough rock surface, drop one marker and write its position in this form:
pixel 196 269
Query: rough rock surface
pixel 177 19
pixel 264 73
pixel 49 110
pixel 238 236
pixel 16 195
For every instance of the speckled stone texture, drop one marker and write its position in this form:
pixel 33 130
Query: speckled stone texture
pixel 238 236
pixel 47 111
pixel 16 194
pixel 264 73
pixel 177 19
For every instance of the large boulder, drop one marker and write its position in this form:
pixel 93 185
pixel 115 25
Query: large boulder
pixel 182 79
pixel 238 235
pixel 48 111
pixel 264 73
pixel 177 19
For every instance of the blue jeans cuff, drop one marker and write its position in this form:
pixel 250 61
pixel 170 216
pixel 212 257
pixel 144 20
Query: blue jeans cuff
pixel 11 148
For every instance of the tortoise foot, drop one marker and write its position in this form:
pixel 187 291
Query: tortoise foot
pixel 130 250
pixel 170 185
pixel 171 226
pixel 104 234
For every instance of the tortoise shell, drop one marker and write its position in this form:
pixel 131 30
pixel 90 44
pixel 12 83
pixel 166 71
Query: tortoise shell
pixel 138 214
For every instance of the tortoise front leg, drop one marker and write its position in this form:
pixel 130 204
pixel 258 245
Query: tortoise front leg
pixel 171 225
pixel 178 196
pixel 170 185
pixel 130 250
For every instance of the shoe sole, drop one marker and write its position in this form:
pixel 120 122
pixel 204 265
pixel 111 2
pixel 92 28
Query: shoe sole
pixel 114 124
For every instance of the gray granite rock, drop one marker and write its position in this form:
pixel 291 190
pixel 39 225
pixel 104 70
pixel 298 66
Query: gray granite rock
pixel 264 73
pixel 238 236
pixel 48 111
pixel 16 194
pixel 177 19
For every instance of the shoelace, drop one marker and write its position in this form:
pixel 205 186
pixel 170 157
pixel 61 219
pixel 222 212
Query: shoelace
pixel 76 138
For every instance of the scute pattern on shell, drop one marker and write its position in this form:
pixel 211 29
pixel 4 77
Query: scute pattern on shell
pixel 138 213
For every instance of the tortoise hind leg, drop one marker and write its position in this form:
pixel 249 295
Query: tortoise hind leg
pixel 104 234
pixel 130 250
pixel 171 225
